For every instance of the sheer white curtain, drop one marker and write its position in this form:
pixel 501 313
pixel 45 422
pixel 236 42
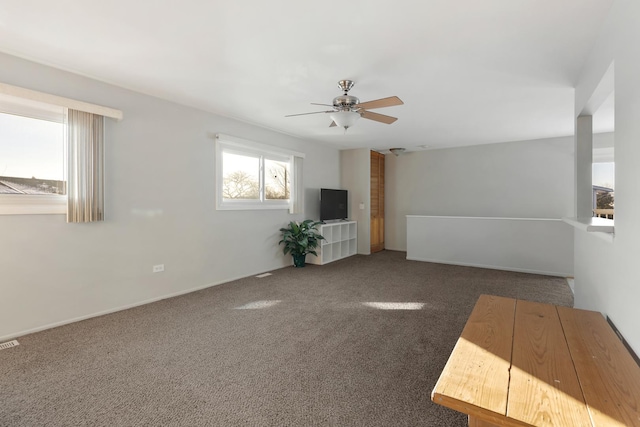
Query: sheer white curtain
pixel 296 198
pixel 85 182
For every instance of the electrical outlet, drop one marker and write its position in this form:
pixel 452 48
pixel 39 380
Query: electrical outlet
pixel 158 268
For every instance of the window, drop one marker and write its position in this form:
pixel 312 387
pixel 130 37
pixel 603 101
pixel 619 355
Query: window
pixel 257 176
pixel 603 160
pixel 51 154
pixel 603 183
pixel 240 176
pixel 277 183
pixel 32 157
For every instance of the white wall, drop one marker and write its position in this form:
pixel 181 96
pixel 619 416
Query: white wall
pixel 541 246
pixel 160 208
pixel 526 179
pixel 603 144
pixel 355 177
pixel 606 273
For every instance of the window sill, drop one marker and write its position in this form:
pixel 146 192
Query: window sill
pixel 601 225
pixel 251 206
pixel 33 205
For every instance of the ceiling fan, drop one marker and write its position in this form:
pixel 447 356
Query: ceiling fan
pixel 348 109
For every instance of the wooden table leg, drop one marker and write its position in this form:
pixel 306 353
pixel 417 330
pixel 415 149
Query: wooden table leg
pixel 475 422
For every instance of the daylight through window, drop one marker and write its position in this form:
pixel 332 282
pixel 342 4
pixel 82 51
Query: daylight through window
pixel 254 176
pixel 51 154
pixel 603 184
pixel 32 156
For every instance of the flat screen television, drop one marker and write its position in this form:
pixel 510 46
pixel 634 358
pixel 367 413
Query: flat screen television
pixel 333 204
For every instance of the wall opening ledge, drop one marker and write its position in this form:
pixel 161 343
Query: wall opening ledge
pixel 592 224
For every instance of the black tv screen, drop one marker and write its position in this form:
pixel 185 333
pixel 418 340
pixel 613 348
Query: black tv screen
pixel 333 204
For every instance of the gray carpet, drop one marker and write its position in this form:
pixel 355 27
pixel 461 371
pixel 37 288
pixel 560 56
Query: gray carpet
pixel 317 357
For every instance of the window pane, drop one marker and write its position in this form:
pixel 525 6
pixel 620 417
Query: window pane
pixel 603 180
pixel 240 176
pixel 277 180
pixel 604 175
pixel 31 156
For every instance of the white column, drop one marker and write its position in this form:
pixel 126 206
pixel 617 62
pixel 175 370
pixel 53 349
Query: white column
pixel 584 159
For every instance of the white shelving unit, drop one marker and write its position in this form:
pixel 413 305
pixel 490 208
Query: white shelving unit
pixel 341 242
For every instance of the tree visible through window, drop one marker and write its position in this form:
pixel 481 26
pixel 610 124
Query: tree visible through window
pixel 604 201
pixel 603 183
pixel 253 178
pixel 277 180
pixel 241 177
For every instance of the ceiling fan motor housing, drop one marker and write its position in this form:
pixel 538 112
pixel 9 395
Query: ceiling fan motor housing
pixel 345 102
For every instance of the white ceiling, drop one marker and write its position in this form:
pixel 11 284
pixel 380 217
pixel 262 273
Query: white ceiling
pixel 469 71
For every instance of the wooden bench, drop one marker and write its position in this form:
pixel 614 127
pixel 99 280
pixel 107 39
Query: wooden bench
pixel 521 363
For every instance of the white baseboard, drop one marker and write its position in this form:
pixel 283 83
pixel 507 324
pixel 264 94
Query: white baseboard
pixel 15 335
pixel 492 267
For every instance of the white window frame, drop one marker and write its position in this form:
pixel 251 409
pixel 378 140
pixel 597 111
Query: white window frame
pixel 17 204
pixel 12 204
pixel 27 204
pixel 233 145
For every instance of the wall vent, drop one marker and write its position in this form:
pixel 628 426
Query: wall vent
pixel 9 344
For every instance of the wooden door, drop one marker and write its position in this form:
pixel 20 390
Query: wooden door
pixel 377 202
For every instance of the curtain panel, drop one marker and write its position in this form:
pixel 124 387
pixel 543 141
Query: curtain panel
pixel 296 195
pixel 85 181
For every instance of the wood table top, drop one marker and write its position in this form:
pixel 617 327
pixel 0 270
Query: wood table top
pixel 521 363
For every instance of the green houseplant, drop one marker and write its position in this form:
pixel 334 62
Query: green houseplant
pixel 300 239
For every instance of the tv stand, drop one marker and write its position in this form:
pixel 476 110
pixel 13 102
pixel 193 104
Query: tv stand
pixel 335 221
pixel 341 241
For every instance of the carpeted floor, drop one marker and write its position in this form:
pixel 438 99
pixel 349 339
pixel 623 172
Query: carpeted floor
pixel 298 348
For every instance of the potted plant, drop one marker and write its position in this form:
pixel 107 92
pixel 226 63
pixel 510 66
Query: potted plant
pixel 300 239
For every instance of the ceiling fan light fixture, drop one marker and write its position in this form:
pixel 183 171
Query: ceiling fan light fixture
pixel 345 119
pixel 397 151
pixel 347 109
